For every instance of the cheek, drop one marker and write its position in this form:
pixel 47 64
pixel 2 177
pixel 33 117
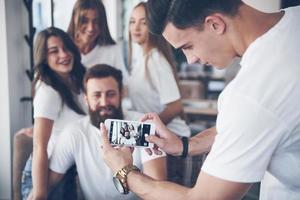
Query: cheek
pixel 51 61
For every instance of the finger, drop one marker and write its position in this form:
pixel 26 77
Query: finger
pixel 147 116
pixel 148 150
pixel 131 149
pixel 156 140
pixel 104 137
pixel 156 150
pixel 125 149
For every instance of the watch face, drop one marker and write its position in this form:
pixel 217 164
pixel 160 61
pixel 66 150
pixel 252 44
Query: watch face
pixel 118 185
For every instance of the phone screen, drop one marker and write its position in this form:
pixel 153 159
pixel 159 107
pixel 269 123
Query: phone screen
pixel 129 133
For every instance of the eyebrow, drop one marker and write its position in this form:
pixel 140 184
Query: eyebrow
pixel 132 18
pixel 52 47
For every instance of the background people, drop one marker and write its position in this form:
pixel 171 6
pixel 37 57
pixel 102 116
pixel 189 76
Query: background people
pixel 152 84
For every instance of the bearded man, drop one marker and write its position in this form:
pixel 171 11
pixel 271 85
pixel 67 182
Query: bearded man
pixel 80 142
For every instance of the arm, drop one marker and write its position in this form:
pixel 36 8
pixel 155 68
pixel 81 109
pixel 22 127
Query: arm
pixel 42 131
pixel 171 110
pixel 156 168
pixel 207 186
pixel 202 142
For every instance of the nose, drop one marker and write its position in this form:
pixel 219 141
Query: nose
pixel 192 59
pixel 103 101
pixel 90 26
pixel 136 26
pixel 64 53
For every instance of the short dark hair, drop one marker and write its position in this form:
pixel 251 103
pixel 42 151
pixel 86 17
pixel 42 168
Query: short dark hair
pixel 186 13
pixel 103 71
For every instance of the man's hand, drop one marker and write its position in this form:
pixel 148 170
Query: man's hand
pixel 164 138
pixel 115 158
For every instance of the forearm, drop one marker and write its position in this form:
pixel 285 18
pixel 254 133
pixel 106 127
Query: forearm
pixel 202 142
pixel 171 111
pixel 156 168
pixel 147 188
pixel 40 174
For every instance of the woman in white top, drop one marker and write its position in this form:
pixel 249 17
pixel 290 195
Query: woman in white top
pixel 152 83
pixel 58 98
pixel 89 30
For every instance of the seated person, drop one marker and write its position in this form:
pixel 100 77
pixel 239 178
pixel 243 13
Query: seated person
pixel 80 142
pixel 126 138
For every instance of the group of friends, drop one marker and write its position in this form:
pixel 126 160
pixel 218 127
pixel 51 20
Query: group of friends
pixel 257 132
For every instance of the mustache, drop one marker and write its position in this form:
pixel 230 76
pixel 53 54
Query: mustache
pixel 112 112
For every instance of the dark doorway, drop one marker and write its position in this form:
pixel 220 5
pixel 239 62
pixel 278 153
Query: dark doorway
pixel 289 3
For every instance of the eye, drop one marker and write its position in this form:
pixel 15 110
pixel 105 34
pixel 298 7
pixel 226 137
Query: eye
pixel 111 94
pixel 190 47
pixel 131 22
pixel 52 51
pixel 83 20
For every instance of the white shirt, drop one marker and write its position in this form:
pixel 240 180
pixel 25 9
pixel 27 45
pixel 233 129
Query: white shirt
pixel 258 123
pixel 111 55
pixel 150 90
pixel 80 144
pixel 48 104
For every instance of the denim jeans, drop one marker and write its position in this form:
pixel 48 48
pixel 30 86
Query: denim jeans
pixel 26 182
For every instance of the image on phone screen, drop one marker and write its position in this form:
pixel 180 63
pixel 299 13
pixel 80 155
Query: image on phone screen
pixel 129 133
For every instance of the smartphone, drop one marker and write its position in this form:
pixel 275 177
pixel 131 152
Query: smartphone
pixel 129 133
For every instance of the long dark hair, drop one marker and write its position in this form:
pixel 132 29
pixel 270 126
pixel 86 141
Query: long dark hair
pixel 79 9
pixel 44 73
pixel 155 41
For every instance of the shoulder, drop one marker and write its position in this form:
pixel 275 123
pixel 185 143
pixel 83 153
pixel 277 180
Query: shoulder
pixel 112 47
pixel 44 92
pixel 76 128
pixel 41 86
pixel 158 61
pixel 132 115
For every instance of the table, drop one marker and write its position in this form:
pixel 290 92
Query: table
pixel 205 107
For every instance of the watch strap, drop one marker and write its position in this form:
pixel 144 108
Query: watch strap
pixel 122 175
pixel 185 145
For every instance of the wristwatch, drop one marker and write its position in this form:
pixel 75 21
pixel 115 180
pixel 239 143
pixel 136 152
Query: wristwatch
pixel 120 179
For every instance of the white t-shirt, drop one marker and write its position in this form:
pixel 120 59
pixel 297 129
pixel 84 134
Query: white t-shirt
pixel 110 55
pixel 258 123
pixel 48 104
pixel 80 144
pixel 152 96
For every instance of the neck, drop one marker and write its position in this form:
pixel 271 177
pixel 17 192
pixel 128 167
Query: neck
pixel 249 24
pixel 146 48
pixel 85 48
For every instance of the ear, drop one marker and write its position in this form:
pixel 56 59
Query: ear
pixel 216 23
pixel 85 100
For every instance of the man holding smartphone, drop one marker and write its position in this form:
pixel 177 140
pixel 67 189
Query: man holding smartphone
pixel 79 143
pixel 257 133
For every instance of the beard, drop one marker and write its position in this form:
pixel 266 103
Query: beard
pixel 96 118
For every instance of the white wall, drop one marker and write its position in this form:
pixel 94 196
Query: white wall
pixel 14 84
pixel 4 109
pixel 265 5
pixel 113 10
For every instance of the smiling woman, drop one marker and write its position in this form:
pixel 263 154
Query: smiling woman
pixel 89 30
pixel 58 99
